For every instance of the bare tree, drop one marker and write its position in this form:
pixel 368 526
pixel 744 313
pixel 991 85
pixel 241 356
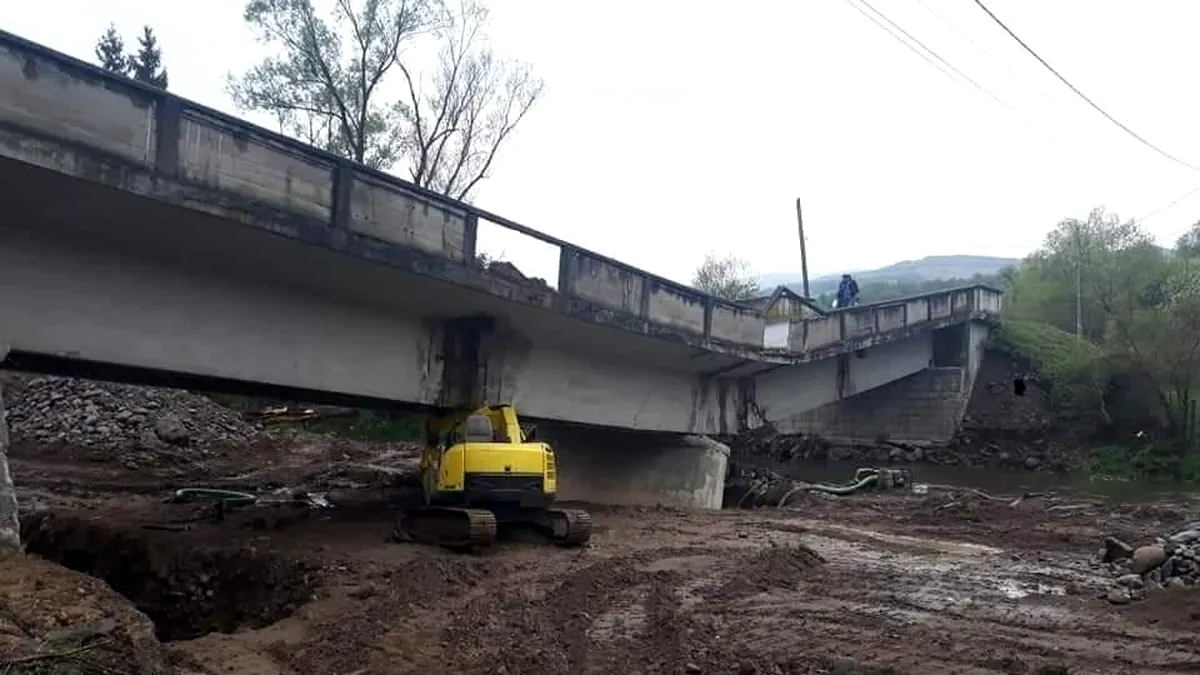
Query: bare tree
pixel 324 85
pixel 727 277
pixel 467 108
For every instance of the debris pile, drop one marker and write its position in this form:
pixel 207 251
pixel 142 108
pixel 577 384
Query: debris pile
pixel 106 416
pixel 967 448
pixel 1170 562
pixel 749 486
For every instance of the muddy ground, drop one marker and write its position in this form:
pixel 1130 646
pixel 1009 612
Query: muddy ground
pixel 950 582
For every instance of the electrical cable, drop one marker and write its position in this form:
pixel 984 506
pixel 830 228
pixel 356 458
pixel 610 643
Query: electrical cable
pixel 1159 210
pixel 1081 95
pixel 950 24
pixel 1024 118
pixel 901 40
pixel 938 57
pixel 947 64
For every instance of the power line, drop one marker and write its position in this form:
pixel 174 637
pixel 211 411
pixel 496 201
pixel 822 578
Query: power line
pixel 935 55
pixel 893 34
pixel 949 24
pixel 1081 95
pixel 900 40
pixel 1159 210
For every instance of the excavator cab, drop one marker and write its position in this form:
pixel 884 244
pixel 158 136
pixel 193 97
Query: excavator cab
pixel 479 469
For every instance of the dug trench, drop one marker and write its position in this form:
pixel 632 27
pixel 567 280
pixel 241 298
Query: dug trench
pixel 186 589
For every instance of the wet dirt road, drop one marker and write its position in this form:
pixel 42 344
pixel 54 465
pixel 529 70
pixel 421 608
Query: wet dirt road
pixel 884 583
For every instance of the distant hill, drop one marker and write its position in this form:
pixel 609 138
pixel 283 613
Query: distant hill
pixel 930 268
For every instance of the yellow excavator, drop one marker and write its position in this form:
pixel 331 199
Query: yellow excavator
pixel 478 470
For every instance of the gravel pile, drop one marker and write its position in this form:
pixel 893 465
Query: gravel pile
pixel 1170 562
pixel 96 415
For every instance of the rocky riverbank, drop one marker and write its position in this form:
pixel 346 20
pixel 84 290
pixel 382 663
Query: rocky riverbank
pixel 970 450
pixel 1170 562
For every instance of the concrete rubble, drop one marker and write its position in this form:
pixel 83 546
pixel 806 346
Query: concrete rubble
pixel 1170 562
pixel 104 416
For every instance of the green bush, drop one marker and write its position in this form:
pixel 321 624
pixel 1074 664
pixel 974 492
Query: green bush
pixel 1075 369
pixel 1147 461
pixel 369 425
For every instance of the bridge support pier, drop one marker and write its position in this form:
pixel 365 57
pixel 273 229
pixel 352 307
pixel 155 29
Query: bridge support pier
pixel 10 526
pixel 626 467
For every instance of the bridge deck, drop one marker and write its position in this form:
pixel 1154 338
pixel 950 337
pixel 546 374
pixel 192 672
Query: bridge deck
pixel 62 114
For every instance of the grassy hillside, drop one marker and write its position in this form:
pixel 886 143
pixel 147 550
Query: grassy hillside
pixel 908 272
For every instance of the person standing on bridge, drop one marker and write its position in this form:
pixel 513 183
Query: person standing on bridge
pixel 847 293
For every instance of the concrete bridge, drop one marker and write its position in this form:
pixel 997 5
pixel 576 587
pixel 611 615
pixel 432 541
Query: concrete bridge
pixel 147 237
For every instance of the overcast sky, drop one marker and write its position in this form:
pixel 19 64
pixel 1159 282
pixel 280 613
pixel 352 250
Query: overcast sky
pixel 673 127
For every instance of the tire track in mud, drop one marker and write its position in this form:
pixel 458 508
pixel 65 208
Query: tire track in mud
pixel 402 595
pixel 937 613
pixel 613 615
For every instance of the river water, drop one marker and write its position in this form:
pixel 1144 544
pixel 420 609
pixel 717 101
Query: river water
pixel 989 480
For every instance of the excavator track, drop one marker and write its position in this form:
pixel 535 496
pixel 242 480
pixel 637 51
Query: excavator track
pixel 567 527
pixel 447 526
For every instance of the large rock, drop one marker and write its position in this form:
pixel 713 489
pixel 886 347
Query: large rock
pixel 1147 558
pixel 169 428
pixel 1115 549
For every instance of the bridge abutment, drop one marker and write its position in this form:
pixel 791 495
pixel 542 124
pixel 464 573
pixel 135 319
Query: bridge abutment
pixel 10 526
pixel 625 467
pixel 925 406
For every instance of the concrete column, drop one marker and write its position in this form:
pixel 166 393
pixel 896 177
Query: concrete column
pixel 626 467
pixel 10 526
pixel 464 361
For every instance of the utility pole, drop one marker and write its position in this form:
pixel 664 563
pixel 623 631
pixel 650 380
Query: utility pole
pixel 803 251
pixel 1078 282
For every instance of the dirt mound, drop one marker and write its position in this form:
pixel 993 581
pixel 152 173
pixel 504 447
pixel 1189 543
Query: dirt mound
pixel 53 620
pixel 770 568
pixel 106 416
pixel 186 589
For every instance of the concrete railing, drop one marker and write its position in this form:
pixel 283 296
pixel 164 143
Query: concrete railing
pixel 47 95
pixel 867 322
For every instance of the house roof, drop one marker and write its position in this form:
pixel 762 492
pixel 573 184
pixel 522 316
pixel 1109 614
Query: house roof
pixel 781 291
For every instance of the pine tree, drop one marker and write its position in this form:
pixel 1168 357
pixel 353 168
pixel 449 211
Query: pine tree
pixel 146 65
pixel 110 52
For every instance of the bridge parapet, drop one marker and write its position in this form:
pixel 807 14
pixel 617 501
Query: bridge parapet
pixel 69 116
pixel 865 324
